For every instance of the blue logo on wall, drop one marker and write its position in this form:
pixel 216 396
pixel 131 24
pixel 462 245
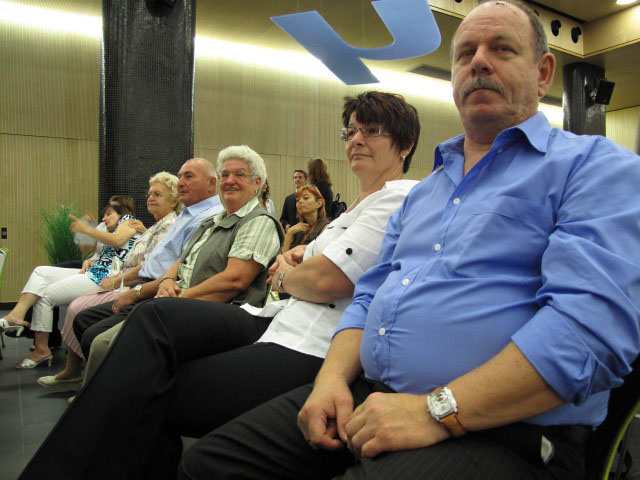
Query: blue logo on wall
pixel 410 23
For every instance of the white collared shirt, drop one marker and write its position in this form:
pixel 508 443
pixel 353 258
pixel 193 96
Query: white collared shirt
pixel 352 242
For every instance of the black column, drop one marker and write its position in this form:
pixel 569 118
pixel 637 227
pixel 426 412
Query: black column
pixel 581 115
pixel 146 104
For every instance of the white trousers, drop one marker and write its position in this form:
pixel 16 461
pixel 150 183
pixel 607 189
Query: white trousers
pixel 55 286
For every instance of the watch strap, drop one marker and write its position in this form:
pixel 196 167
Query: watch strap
pixel 453 425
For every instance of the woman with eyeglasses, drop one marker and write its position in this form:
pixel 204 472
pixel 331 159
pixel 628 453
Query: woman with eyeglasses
pixel 126 422
pixel 312 216
pixel 163 204
pixel 49 287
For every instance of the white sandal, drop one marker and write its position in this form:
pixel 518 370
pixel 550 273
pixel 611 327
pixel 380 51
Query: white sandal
pixel 5 326
pixel 28 363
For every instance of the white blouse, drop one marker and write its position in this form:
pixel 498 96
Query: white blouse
pixel 352 242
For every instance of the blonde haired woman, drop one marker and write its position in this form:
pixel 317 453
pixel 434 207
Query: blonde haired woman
pixel 163 204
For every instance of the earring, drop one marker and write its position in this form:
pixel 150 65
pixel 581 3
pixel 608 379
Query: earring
pixel 403 157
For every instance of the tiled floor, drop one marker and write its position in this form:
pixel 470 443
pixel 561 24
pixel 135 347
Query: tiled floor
pixel 28 411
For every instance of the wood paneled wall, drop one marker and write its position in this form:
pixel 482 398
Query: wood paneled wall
pixel 289 118
pixel 49 94
pixel 623 127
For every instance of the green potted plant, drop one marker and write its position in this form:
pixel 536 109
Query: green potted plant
pixel 57 238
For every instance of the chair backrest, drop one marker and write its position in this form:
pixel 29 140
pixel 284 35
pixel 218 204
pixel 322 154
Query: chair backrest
pixel 624 403
pixel 4 253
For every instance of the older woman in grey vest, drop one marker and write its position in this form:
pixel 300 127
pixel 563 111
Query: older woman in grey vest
pixel 198 381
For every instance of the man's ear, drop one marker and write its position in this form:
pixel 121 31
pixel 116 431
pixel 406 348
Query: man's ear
pixel 546 69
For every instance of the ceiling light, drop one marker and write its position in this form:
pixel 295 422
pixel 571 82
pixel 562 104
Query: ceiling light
pixel 625 2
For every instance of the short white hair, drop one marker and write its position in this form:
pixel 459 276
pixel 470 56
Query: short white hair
pixel 256 165
pixel 171 182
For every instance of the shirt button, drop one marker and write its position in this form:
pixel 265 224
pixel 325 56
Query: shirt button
pixel 349 251
pixel 382 331
pixel 405 282
pixel 437 247
pixel 456 201
pixel 500 150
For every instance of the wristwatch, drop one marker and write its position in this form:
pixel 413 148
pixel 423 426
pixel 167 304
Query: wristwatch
pixel 443 408
pixel 279 281
pixel 138 290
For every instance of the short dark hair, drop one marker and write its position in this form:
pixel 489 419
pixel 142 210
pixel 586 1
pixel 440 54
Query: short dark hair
pixel 398 118
pixel 125 201
pixel 302 172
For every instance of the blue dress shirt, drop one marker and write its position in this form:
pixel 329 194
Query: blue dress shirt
pixel 538 244
pixel 168 250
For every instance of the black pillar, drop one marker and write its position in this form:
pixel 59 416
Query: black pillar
pixel 146 104
pixel 581 115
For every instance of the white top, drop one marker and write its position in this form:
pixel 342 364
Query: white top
pixel 352 242
pixel 271 210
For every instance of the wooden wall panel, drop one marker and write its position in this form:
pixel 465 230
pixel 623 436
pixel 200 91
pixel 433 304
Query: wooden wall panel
pixel 289 118
pixel 49 83
pixel 37 172
pixel 623 127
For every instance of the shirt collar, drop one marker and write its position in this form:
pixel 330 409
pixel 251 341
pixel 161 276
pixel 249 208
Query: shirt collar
pixel 246 208
pixel 200 207
pixel 536 130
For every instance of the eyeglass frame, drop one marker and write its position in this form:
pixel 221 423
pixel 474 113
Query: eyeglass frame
pixel 235 174
pixel 345 130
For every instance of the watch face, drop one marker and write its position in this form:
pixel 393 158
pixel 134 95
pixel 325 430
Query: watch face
pixel 440 404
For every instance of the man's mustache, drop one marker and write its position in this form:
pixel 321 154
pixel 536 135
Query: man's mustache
pixel 481 82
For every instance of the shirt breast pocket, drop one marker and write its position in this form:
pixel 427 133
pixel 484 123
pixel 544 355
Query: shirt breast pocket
pixel 504 235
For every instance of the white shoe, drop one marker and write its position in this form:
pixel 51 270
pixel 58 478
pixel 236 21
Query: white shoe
pixel 52 381
pixel 70 400
pixel 5 326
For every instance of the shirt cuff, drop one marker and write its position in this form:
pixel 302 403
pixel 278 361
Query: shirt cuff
pixel 342 257
pixel 562 358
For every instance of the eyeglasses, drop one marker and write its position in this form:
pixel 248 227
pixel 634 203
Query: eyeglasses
pixel 239 175
pixel 154 195
pixel 368 131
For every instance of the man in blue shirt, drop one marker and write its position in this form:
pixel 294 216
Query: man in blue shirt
pixel 197 192
pixel 503 309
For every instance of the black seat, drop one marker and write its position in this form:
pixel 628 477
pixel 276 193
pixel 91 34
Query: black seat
pixel 612 436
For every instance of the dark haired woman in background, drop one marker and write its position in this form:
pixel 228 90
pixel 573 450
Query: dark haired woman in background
pixel 319 176
pixel 49 287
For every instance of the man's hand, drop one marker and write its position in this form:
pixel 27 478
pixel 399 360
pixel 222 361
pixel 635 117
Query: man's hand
pixel 124 299
pixel 168 288
pixel 324 415
pixel 392 421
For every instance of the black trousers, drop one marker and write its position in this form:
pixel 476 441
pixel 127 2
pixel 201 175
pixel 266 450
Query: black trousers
pixel 174 369
pixel 265 444
pixel 93 321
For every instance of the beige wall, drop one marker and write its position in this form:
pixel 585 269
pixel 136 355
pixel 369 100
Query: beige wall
pixel 49 91
pixel 623 127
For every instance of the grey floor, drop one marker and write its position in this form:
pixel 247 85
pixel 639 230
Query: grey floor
pixel 28 411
